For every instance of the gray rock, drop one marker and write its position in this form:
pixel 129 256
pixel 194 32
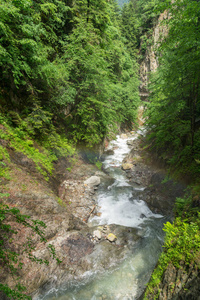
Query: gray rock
pixel 130 142
pixel 93 181
pixel 109 152
pixel 97 233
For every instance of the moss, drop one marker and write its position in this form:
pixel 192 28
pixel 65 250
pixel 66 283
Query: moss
pixel 43 154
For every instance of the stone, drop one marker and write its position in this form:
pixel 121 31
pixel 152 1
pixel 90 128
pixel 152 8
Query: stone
pixel 127 166
pixel 97 233
pixel 130 142
pixel 109 152
pixel 100 228
pixel 124 136
pixel 111 237
pixel 93 181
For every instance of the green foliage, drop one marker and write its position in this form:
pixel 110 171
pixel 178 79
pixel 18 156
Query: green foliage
pixel 182 243
pixel 43 156
pixel 10 258
pixel 137 21
pixel 4 170
pixel 105 81
pixel 65 74
pixel 63 62
pixel 61 203
pixel 174 99
pixel 98 164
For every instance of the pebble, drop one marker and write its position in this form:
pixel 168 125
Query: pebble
pixel 111 237
pixel 97 233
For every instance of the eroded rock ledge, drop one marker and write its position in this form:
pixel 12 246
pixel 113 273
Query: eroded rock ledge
pixel 64 204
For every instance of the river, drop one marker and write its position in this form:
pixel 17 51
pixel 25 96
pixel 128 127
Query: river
pixel 120 202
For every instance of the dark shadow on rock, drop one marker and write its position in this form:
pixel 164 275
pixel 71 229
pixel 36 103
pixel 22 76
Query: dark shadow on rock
pixel 161 194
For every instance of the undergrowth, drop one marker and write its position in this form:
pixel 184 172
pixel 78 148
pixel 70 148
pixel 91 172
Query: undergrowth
pixel 43 152
pixel 182 241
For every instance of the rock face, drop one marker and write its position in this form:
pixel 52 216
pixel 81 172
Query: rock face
pixel 161 194
pixel 79 247
pixel 150 62
pixel 78 197
pixel 179 284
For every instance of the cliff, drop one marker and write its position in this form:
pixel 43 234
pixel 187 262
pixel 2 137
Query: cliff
pixel 150 59
pixel 172 280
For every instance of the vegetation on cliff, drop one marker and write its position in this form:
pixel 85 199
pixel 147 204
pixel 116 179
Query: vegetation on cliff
pixel 174 106
pixel 138 19
pixel 179 264
pixel 65 77
pixel 64 68
pixel 172 118
pixel 68 74
pixel 174 134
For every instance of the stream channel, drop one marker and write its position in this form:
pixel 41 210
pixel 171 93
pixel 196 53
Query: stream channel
pixel 120 203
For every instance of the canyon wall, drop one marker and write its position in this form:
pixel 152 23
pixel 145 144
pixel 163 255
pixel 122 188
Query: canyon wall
pixel 150 61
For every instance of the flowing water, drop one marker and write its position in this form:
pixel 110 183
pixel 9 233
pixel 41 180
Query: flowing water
pixel 119 204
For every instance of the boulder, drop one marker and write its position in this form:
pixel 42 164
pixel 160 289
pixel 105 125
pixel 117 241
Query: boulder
pixel 111 237
pixel 109 152
pixel 127 166
pixel 130 142
pixel 93 181
pixel 97 234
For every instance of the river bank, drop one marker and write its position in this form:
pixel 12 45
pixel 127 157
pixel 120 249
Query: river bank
pixel 66 214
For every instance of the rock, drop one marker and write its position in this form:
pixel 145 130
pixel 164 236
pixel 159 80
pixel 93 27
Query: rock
pixel 127 166
pixel 93 181
pixel 97 233
pixel 128 174
pixel 100 228
pixel 130 142
pixel 179 283
pixel 111 237
pixel 109 152
pixel 138 182
pixel 161 194
pixel 124 136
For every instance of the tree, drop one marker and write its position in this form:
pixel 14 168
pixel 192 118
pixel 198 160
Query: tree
pixel 175 102
pixel 130 26
pixel 41 66
pixel 101 79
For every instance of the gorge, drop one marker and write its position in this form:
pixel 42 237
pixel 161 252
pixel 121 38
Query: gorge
pixel 85 184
